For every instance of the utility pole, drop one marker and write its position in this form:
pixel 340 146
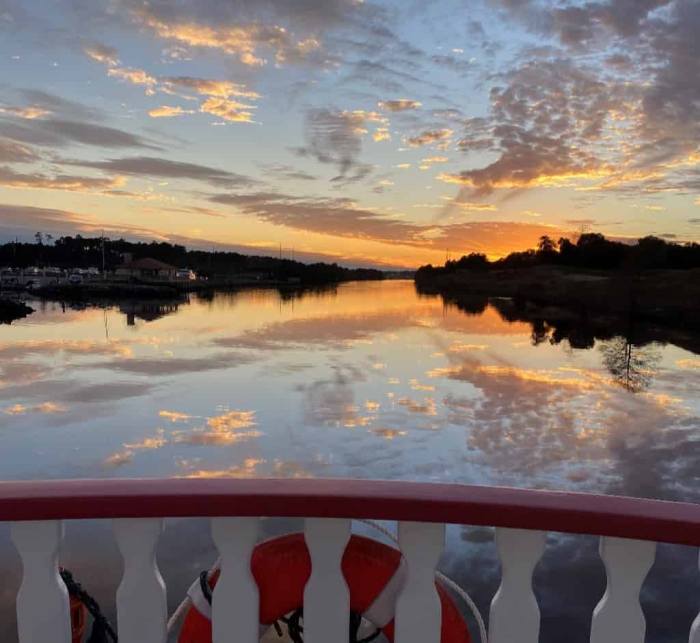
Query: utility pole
pixel 104 273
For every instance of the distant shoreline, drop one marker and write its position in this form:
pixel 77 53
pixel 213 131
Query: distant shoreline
pixel 668 297
pixel 13 306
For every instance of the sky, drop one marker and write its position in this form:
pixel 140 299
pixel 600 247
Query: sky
pixel 368 133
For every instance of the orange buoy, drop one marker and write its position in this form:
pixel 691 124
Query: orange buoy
pixel 282 566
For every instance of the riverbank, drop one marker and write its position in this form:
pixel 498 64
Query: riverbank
pixel 115 290
pixel 144 300
pixel 668 297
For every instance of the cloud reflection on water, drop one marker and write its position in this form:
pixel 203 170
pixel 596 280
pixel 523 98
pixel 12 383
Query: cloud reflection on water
pixel 250 384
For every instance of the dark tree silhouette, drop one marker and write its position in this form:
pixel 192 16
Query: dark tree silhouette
pixel 84 252
pixel 590 251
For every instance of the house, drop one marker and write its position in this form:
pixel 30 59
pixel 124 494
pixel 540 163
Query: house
pixel 146 270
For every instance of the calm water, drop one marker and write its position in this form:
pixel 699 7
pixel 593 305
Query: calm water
pixel 366 381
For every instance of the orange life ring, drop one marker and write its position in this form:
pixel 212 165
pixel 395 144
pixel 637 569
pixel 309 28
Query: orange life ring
pixel 282 566
pixel 78 619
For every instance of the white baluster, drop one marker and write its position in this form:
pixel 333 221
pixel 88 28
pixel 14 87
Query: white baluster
pixel 418 609
pixel 142 608
pixel 515 615
pixel 235 602
pixel 618 618
pixel 326 596
pixel 43 612
pixel 695 627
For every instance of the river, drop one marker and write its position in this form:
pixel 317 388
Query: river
pixel 366 380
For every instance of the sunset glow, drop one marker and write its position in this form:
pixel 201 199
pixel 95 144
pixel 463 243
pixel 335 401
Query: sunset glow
pixel 364 132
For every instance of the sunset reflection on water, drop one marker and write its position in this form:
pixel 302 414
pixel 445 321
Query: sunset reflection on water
pixel 369 380
pixel 366 380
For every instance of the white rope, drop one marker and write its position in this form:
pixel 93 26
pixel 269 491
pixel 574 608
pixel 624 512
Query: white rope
pixel 185 604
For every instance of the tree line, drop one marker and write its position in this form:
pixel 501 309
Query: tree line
pixel 85 252
pixel 589 251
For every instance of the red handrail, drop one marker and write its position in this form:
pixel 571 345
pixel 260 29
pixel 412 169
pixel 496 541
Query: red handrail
pixel 658 520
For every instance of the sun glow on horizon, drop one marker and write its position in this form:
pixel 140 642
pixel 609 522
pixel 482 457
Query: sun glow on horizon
pixel 253 126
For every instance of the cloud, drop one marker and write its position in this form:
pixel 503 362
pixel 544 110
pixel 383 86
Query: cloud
pixel 646 103
pixel 237 39
pixel 144 166
pixel 208 87
pixel 118 459
pixel 175 365
pixel 475 207
pixel 342 217
pixel 112 392
pixel 335 138
pixel 548 123
pixel 221 430
pixel 30 113
pixel 135 77
pixel 11 179
pixel 578 25
pixel 439 136
pixel 248 469
pixel 339 216
pixel 287 172
pixel 57 105
pixel 167 111
pixel 229 110
pixel 52 347
pixel 429 161
pixel 51 132
pixel 218 92
pixel 102 54
pixel 399 105
pixel 425 407
pixel 16 152
pixel 16 219
pixel 175 416
pixel 331 402
pixel 381 134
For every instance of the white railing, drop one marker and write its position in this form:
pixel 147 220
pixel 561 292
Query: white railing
pixel 628 529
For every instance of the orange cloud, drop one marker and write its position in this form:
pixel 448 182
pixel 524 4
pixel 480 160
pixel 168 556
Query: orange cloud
pixel 30 113
pixel 175 416
pixel 381 134
pixel 426 163
pixel 229 110
pixel 11 179
pixel 148 443
pixel 208 87
pixel 221 430
pixel 246 470
pixel 476 207
pixel 166 111
pixel 102 54
pixel 134 76
pixel 241 41
pixel 118 459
